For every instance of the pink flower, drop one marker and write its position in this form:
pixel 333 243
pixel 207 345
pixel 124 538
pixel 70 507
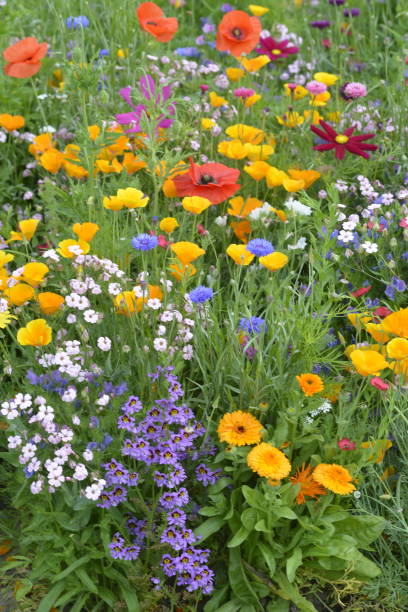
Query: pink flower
pixel 362 291
pixel 162 242
pixel 379 383
pixel 201 230
pixel 382 311
pixel 346 444
pixel 403 222
pixel 315 87
pixel 243 92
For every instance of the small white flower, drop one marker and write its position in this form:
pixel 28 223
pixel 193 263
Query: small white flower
pixel 300 244
pixel 160 344
pixel 221 221
pixel 345 236
pixel 104 343
pixel 298 207
pixel 91 316
pixel 369 247
pixel 154 303
pixel 36 486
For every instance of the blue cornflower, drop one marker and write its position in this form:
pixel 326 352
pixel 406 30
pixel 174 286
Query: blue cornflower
pixel 260 247
pixel 188 51
pixel 253 325
pixel 104 52
pixel 144 242
pixel 398 284
pixel 201 294
pixel 73 23
pixel 390 292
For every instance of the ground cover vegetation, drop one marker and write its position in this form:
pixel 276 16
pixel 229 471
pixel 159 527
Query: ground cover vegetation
pixel 203 306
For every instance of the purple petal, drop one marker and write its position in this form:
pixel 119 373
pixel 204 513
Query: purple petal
pixel 125 93
pixel 148 87
pixel 166 92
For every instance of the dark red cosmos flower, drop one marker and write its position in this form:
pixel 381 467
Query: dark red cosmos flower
pixel 275 50
pixel 213 181
pixel 343 142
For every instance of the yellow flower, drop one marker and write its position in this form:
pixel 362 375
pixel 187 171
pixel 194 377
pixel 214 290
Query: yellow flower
pixel 240 254
pixel 359 319
pixel 310 384
pixel 397 348
pixel 377 332
pixel 397 323
pixel 245 133
pixel 41 143
pixel 36 333
pixel 11 122
pixel 94 131
pixel 241 229
pixel 368 362
pixel 320 99
pixel 216 100
pixel 207 124
pixel 132 163
pixel 400 367
pixel 308 486
pixel 186 252
pixel 27 229
pixel 326 77
pixel 279 213
pixel 248 102
pixel 113 203
pixel 49 302
pixel 71 248
pixel 121 53
pixel 125 303
pixel 292 185
pixel 297 93
pixel 34 272
pixel 132 198
pixel 254 64
pixel 234 149
pixel 52 160
pixel 5 258
pixel 268 461
pixel 241 208
pixel 168 224
pixel 313 115
pixel 275 177
pixel 234 74
pixel 308 176
pixel 85 231
pixel 5 319
pixel 274 261
pixel 257 170
pixel 259 152
pixel 334 477
pixel 195 204
pixel 19 294
pixel 334 116
pixel 239 429
pixel 105 166
pixel 258 10
pixel 180 271
pixel 379 446
pixel 290 119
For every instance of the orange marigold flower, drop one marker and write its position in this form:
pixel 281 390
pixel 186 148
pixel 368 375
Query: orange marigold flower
pixel 308 486
pixel 334 477
pixel 239 428
pixel 310 384
pixel 238 33
pixel 267 460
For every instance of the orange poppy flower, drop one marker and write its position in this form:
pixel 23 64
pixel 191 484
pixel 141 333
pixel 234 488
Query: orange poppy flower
pixel 213 181
pixel 23 58
pixel 152 20
pixel 238 33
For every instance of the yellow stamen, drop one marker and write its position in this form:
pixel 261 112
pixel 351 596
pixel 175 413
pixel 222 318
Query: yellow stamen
pixel 341 139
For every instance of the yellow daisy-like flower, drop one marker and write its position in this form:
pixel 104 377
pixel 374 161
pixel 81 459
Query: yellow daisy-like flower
pixel 5 319
pixel 310 384
pixel 397 348
pixel 239 429
pixel 258 10
pixel 216 100
pixel 268 461
pixel 334 477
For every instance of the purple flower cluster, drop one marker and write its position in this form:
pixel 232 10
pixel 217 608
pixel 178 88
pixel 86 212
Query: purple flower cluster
pixel 161 438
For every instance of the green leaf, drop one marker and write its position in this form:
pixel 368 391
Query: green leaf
pixel 86 580
pixel 249 518
pixel 209 511
pixel 254 498
pixel 294 561
pixel 208 528
pixel 130 598
pixel 279 605
pixel 218 596
pixel 72 567
pixel 231 606
pixel 261 526
pixel 239 537
pixel 293 594
pixel 24 587
pixel 48 601
pixel 238 580
pixel 364 529
pixel 283 512
pixel 79 604
pixel 269 557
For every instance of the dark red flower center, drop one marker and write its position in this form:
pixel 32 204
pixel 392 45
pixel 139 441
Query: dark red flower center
pixel 237 33
pixel 205 179
pixel 153 23
pixel 240 429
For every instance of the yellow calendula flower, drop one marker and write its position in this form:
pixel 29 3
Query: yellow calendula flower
pixel 195 204
pixel 234 74
pixel 240 254
pixel 168 224
pixel 268 461
pixel 254 64
pixel 216 100
pixel 36 333
pixel 239 429
pixel 326 77
pixel 207 124
pixel 310 384
pixel 334 477
pixel 274 261
pixel 296 93
pixel 258 10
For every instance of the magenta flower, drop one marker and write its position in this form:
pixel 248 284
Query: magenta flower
pixel 344 142
pixel 150 93
pixel 275 50
pixel 346 444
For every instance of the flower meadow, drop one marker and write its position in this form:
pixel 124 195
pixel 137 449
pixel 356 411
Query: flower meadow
pixel 204 306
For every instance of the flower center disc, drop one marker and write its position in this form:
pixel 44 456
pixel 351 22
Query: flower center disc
pixel 276 51
pixel 341 139
pixel 237 33
pixel 207 178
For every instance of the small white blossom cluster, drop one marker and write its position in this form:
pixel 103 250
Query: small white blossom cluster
pixel 45 447
pixel 324 408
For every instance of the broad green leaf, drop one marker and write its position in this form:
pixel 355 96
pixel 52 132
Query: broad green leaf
pixel 254 498
pixel 130 598
pixel 364 529
pixel 217 597
pixel 238 580
pixel 294 561
pixel 283 512
pixel 279 605
pixel 269 557
pixel 261 526
pixel 48 601
pixel 209 527
pixel 79 604
pixel 209 511
pixel 293 594
pixel 249 518
pixel 24 587
pixel 71 568
pixel 239 537
pixel 86 580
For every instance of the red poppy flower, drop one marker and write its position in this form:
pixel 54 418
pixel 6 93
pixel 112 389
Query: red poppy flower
pixel 275 50
pixel 213 181
pixel 23 58
pixel 343 142
pixel 362 291
pixel 238 33
pixel 152 20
